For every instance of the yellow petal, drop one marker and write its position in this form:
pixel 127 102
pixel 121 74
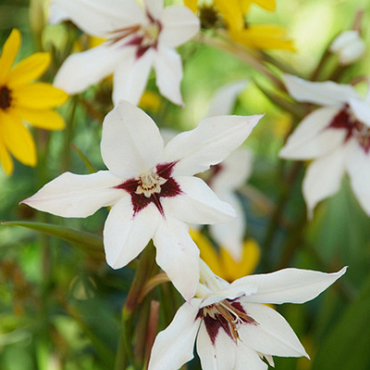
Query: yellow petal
pixel 10 51
pixel 263 37
pixel 207 252
pixel 232 13
pixel 42 118
pixel 39 95
pixel 150 101
pixel 6 159
pixel 17 139
pixel 236 269
pixel 192 4
pixel 28 69
pixel 269 5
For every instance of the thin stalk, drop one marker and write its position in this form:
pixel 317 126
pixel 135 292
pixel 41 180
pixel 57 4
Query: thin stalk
pixel 275 220
pixel 124 350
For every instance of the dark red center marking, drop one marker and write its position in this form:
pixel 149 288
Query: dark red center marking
pixel 226 315
pixel 346 120
pixel 170 188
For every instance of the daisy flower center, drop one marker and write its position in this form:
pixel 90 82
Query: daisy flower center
pixel 5 97
pixel 151 186
pixel 228 315
pixel 345 119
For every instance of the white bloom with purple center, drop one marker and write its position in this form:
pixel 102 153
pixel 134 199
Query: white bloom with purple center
pixel 230 324
pixel 336 137
pixel 138 38
pixel 151 189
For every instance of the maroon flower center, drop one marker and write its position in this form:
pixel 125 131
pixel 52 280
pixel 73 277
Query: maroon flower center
pixel 5 98
pixel 143 37
pixel 150 187
pixel 345 119
pixel 227 315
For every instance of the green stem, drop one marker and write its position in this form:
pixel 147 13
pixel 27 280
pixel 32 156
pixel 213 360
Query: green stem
pixel 68 136
pixel 143 273
pixel 277 214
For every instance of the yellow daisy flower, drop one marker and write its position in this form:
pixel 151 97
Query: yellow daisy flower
pixel 222 263
pixel 24 101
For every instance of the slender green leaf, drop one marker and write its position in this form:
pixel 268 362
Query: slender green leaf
pixel 346 347
pixel 87 241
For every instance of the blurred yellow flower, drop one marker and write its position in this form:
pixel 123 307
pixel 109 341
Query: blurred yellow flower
pixel 21 100
pixel 263 36
pixel 222 263
pixel 269 5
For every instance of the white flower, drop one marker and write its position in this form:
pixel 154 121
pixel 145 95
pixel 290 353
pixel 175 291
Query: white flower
pixel 151 189
pixel 137 40
pixel 232 327
pixel 336 137
pixel 226 177
pixel 348 46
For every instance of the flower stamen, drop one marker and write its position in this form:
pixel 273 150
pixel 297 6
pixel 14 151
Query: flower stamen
pixel 149 183
pixel 226 314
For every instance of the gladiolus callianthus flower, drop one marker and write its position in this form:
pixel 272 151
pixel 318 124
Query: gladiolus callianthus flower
pixel 231 325
pixel 137 40
pixel 151 189
pixel 336 137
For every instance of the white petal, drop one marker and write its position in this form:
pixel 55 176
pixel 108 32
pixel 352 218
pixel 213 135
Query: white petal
pixel 312 138
pixel 174 346
pixel 230 234
pixel 81 70
pixel 198 204
pixel 349 46
pixel 168 68
pixel 131 77
pixel 56 14
pixel 323 178
pixel 178 255
pixel 246 358
pixel 271 335
pixel 343 40
pixel 219 355
pixel 71 195
pixel 209 143
pixel 99 18
pixel 179 25
pixel 125 234
pixel 358 168
pixel 288 285
pixel 361 109
pixel 234 171
pixel 224 99
pixel 154 7
pixel 352 52
pixel 323 93
pixel 131 143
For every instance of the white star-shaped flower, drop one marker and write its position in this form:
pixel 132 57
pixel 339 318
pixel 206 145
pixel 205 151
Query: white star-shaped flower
pixel 138 38
pixel 336 137
pixel 151 189
pixel 232 327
